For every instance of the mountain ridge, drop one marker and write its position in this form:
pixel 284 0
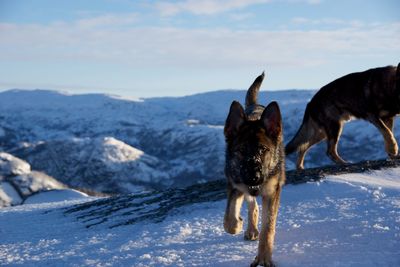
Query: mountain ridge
pixel 182 137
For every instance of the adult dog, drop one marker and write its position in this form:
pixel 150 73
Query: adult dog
pixel 372 95
pixel 255 165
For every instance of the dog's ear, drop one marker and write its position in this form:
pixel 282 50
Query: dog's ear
pixel 234 120
pixel 272 120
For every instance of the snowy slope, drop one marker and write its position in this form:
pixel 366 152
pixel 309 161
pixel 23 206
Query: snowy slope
pixel 103 164
pixel 181 138
pixel 346 220
pixel 18 181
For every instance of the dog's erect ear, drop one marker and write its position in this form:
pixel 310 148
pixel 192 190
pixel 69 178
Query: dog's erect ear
pixel 272 120
pixel 234 120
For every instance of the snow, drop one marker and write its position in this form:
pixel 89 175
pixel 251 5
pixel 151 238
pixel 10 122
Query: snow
pixel 18 181
pixel 117 151
pixel 10 165
pixel 8 195
pixel 34 182
pixel 389 178
pixel 346 220
pixel 164 142
pixel 55 196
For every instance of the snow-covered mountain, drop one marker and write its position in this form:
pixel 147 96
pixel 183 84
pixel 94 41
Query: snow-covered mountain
pixel 344 220
pixel 119 145
pixel 103 164
pixel 18 183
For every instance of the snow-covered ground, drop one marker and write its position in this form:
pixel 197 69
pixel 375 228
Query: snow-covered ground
pixel 346 220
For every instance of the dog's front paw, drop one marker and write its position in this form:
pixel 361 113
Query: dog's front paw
pixel 233 226
pixel 251 235
pixel 262 262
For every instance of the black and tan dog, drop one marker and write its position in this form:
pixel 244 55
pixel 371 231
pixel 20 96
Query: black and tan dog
pixel 372 95
pixel 255 165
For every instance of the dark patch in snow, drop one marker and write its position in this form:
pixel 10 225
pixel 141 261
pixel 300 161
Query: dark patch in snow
pixel 155 206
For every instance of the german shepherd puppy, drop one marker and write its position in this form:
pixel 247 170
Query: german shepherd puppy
pixel 372 95
pixel 255 165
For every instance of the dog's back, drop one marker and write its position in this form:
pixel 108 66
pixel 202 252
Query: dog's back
pixel 357 94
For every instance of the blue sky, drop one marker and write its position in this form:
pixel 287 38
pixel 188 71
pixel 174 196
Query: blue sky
pixel 149 48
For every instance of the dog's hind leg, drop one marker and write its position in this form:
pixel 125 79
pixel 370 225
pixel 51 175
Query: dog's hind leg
pixel 333 131
pixel 315 136
pixel 252 227
pixel 270 207
pixel 389 122
pixel 385 126
pixel 305 147
pixel 233 223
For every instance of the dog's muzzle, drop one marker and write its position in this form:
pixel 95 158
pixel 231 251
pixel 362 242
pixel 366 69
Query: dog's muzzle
pixel 254 190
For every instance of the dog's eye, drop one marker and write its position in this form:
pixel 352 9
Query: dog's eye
pixel 264 149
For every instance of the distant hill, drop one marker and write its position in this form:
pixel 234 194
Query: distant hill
pixel 117 145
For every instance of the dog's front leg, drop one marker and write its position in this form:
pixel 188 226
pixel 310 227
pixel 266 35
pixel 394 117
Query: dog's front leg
pixel 252 227
pixel 391 146
pixel 233 223
pixel 270 205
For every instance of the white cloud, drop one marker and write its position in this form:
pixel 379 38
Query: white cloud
pixel 109 20
pixel 204 7
pixel 212 7
pixel 200 48
pixel 311 2
pixel 327 21
pixel 241 16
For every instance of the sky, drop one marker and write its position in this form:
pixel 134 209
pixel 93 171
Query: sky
pixel 148 48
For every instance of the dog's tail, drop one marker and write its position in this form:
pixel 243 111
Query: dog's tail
pixel 302 136
pixel 252 93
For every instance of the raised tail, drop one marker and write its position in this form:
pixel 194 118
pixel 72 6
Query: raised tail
pixel 252 93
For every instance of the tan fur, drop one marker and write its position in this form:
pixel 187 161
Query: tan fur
pixel 269 214
pixel 233 223
pixel 252 226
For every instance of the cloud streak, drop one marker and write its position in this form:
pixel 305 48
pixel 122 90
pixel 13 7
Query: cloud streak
pixel 108 20
pixel 206 7
pixel 213 7
pixel 188 48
